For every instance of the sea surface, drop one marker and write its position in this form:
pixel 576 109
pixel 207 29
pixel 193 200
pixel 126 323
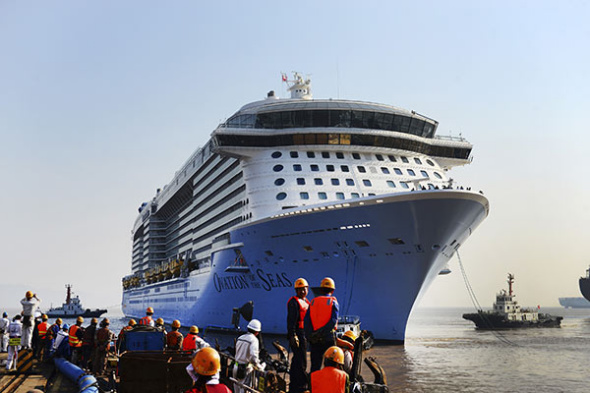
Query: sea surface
pixel 444 353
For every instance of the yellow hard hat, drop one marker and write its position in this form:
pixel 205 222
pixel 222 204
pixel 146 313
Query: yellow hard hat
pixel 347 340
pixel 44 317
pixel 58 321
pixel 29 294
pixel 334 354
pixel 328 283
pixel 176 323
pixel 80 319
pixel 132 322
pixel 149 310
pixel 159 321
pixel 93 321
pixel 301 283
pixel 194 329
pixel 206 362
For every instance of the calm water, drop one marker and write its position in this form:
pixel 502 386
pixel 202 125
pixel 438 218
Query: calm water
pixel 444 353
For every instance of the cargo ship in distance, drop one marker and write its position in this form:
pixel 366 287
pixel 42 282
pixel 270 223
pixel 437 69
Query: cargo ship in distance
pixel 585 285
pixel 304 187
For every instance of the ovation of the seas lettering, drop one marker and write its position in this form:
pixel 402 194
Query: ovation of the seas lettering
pixel 266 281
pixel 230 282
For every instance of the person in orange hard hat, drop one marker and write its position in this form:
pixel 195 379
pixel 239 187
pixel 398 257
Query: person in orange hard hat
pixel 148 320
pixel 204 371
pixel 331 379
pixel 75 335
pixel 30 304
pixel 43 329
pixel 320 323
pixel 192 342
pixel 346 343
pixel 296 308
pixel 174 338
pixel 121 342
pixel 88 344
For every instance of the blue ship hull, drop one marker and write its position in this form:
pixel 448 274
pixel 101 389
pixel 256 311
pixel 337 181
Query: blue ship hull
pixel 381 252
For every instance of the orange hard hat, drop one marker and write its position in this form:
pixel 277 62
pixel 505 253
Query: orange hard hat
pixel 132 322
pixel 149 310
pixel 347 340
pixel 159 321
pixel 334 354
pixel 80 319
pixel 44 317
pixel 301 283
pixel 206 362
pixel 194 329
pixel 328 283
pixel 29 294
pixel 176 323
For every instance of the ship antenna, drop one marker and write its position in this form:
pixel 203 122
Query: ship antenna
pixel 300 88
pixel 510 282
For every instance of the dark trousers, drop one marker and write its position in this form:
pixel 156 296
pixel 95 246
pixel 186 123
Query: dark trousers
pixel 316 353
pixel 298 379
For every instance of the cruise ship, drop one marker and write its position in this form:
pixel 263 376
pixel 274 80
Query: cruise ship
pixel 302 187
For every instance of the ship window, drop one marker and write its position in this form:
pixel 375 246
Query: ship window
pixel 361 169
pixel 340 155
pixel 276 154
pixel 281 196
pixel 322 195
pixel 277 168
pixel 294 154
pixel 330 168
pixel 356 156
pixel 325 154
pixel 297 167
pixel 335 182
pixel 344 168
pixel 339 195
pixel 392 158
pixel 430 162
pixel 396 241
pixel 355 195
pixel 325 254
pixel 417 161
pixel 304 195
pixel 379 157
pixel 314 168
pixel 269 253
pixel 310 154
pixel 437 175
pixel 431 186
pixel 301 181
pixel 424 173
pixel 279 182
pixel 397 171
pixel 318 181
pixel 367 182
pixel 349 182
pixel 362 243
pixel 404 184
pixel 308 248
pixel 385 170
pixel 411 172
pixel 390 183
pixel 404 159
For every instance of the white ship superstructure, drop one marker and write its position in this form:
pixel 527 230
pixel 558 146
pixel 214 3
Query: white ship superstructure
pixel 300 187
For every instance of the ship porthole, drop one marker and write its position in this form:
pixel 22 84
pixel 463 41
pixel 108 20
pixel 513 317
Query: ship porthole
pixel 279 182
pixel 277 168
pixel 276 154
pixel 281 196
pixel 436 247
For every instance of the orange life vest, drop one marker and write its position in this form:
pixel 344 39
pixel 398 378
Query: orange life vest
pixel 147 320
pixel 328 380
pixel 320 310
pixel 303 306
pixel 43 327
pixel 190 342
pixel 74 340
pixel 174 340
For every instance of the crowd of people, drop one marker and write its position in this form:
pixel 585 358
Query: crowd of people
pixel 309 325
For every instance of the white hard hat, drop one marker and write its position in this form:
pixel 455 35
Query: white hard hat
pixel 255 325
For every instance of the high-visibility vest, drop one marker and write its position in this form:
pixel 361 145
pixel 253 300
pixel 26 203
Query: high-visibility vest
pixel 147 320
pixel 73 338
pixel 303 306
pixel 43 327
pixel 328 380
pixel 320 310
pixel 174 340
pixel 190 342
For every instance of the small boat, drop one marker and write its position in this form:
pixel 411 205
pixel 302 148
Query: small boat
pixel 72 308
pixel 507 313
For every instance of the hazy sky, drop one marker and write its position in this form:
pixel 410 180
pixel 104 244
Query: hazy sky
pixel 102 101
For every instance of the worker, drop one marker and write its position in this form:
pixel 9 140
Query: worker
pixel 320 321
pixel 192 342
pixel 204 371
pixel 15 331
pixel 103 344
pixel 121 341
pixel 331 379
pixel 43 329
pixel 346 343
pixel 30 304
pixel 148 320
pixel 296 308
pixel 52 333
pixel 247 356
pixel 88 344
pixel 4 323
pixel 160 325
pixel 61 346
pixel 174 337
pixel 76 333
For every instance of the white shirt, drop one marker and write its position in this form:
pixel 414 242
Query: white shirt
pixel 61 335
pixel 194 376
pixel 4 322
pixel 15 329
pixel 30 306
pixel 247 351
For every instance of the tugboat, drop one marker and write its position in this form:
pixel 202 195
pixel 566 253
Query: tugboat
pixel 72 308
pixel 507 314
